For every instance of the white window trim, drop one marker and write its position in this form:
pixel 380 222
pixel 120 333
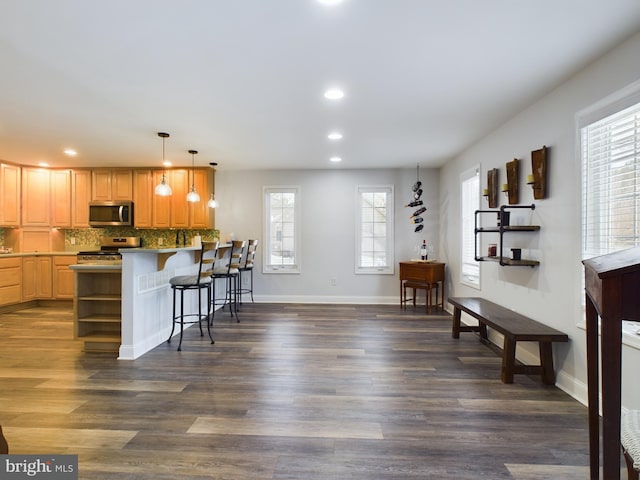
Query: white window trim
pixel 468 229
pixel 281 269
pixel 389 269
pixel 618 101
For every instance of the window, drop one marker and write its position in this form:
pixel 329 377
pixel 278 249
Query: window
pixel 469 203
pixel 374 229
pixel 281 224
pixel 610 153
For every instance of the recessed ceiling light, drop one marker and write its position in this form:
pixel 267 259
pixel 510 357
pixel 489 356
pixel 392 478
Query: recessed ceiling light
pixel 43 164
pixel 70 152
pixel 334 94
pixel 334 136
pixel 330 2
pixel 335 159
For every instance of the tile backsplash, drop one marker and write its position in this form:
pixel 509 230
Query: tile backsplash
pixel 90 237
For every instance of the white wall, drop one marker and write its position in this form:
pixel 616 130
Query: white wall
pixel 551 293
pixel 328 236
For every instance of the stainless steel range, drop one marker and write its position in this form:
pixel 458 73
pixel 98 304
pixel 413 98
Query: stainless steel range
pixel 108 253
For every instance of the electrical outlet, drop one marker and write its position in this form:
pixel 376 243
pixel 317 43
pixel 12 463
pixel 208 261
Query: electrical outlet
pixel 73 240
pixel 160 241
pixel 333 281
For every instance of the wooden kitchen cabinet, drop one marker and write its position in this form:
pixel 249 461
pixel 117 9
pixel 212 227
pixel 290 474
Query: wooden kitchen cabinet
pixel 112 185
pixel 97 309
pixel 80 198
pixel 35 197
pixel 63 278
pixel 60 198
pixel 199 211
pixel 10 280
pixel 9 195
pixel 155 211
pixel 179 205
pixel 143 191
pixel 36 277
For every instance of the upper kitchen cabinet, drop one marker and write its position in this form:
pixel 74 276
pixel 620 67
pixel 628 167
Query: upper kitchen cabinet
pixel 143 191
pixel 60 198
pixel 199 211
pixel 179 205
pixel 80 198
pixel 9 195
pixel 35 197
pixel 111 185
pixel 172 211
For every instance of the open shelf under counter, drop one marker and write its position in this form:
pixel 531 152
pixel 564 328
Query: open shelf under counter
pixel 97 306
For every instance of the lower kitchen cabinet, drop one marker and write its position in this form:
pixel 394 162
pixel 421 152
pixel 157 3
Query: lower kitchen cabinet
pixel 97 308
pixel 63 279
pixel 10 280
pixel 36 278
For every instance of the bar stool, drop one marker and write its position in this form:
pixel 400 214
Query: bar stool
pixel 226 267
pixel 247 266
pixel 200 281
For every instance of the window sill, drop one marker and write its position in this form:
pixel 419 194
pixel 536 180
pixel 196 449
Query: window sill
pixel 629 336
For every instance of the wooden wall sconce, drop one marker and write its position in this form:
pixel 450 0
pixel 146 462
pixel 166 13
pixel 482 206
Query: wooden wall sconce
pixel 512 182
pixel 538 179
pixel 491 192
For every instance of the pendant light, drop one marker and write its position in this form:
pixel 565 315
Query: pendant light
pixel 213 203
pixel 193 196
pixel 163 189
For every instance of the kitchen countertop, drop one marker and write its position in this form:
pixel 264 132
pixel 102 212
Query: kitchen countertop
pixel 31 254
pixel 157 250
pixel 95 266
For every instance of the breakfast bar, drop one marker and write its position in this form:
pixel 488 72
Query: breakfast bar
pixel 146 295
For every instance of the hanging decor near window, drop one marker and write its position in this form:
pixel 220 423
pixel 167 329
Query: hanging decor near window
pixel 416 218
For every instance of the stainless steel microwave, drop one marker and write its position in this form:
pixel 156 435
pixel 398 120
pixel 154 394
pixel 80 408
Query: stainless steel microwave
pixel 111 214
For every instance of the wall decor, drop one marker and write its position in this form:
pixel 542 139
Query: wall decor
pixel 492 187
pixel 538 177
pixel 512 182
pixel 417 203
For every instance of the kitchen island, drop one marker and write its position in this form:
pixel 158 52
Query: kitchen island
pixel 147 302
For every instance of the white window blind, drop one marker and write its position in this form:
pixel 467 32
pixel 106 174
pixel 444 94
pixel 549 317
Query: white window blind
pixel 469 203
pixel 611 182
pixel 374 229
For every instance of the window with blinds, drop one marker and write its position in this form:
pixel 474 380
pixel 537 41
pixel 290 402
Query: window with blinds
pixel 469 203
pixel 610 151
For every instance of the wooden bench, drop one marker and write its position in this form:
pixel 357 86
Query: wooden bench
pixel 515 328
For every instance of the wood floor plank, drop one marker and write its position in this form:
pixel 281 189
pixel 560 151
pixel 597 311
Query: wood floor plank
pixel 311 392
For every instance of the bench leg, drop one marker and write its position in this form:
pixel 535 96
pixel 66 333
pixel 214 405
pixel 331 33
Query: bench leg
pixel 546 362
pixel 508 360
pixel 455 329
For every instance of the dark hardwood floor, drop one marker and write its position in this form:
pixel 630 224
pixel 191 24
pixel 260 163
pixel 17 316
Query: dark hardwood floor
pixel 311 392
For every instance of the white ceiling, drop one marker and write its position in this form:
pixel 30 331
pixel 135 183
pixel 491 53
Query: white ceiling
pixel 242 81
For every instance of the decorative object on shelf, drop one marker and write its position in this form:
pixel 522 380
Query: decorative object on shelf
pixel 163 189
pixel 492 188
pixel 512 181
pixel 538 178
pixel 496 251
pixel 415 218
pixel 193 196
pixel 213 203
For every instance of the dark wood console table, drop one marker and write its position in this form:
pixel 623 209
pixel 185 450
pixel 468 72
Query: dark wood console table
pixel 422 274
pixel 612 288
